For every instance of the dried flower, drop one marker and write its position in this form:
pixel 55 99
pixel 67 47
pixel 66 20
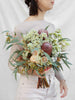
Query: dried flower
pixel 35 53
pixel 44 59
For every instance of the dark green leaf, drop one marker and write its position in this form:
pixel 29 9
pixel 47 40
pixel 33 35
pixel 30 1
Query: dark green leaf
pixel 67 39
pixel 17 51
pixel 10 36
pixel 22 35
pixel 19 54
pixel 20 44
pixel 59 64
pixel 55 65
pixel 5 45
pixel 63 55
pixel 14 41
pixel 38 65
pixel 47 27
pixel 9 46
pixel 66 63
pixel 4 31
pixel 18 63
pixel 11 63
pixel 15 72
pixel 48 57
pixel 39 73
pixel 34 49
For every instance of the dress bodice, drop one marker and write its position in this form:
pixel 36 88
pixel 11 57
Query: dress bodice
pixel 26 26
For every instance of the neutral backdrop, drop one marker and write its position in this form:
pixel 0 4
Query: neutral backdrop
pixel 12 12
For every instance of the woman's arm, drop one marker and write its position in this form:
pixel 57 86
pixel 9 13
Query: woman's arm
pixel 59 75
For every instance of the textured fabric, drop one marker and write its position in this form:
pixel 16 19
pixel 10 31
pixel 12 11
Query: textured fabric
pixel 27 88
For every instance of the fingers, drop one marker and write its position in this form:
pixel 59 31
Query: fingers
pixel 61 89
pixel 65 91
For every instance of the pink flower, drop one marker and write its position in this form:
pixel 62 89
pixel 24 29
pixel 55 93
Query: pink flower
pixel 44 59
pixel 35 52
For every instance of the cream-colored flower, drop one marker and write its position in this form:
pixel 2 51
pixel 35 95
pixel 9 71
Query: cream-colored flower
pixel 35 59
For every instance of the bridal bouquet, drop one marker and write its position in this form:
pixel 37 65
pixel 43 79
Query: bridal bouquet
pixel 41 51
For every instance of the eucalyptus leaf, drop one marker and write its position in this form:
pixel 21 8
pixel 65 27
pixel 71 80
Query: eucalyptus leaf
pixel 17 51
pixel 34 49
pixel 11 63
pixel 9 46
pixel 48 57
pixel 54 64
pixel 20 53
pixel 47 27
pixel 20 44
pixel 59 64
pixel 5 45
pixel 39 73
pixel 18 63
pixel 15 40
pixel 67 39
pixel 66 63
pixel 10 36
pixel 64 53
pixel 38 65
pixel 22 35
pixel 15 72
pixel 4 31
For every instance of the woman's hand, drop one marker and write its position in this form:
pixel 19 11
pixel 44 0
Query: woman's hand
pixel 63 86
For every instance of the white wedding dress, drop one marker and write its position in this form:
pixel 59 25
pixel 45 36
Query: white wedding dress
pixel 27 87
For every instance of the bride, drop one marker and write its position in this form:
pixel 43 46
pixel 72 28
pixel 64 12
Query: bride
pixel 27 87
